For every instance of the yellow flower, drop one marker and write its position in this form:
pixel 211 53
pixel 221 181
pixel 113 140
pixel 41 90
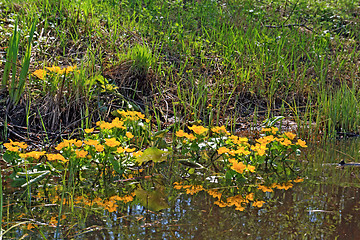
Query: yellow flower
pixel 194 189
pixel 260 149
pixel 250 197
pixel 120 150
pixel 118 123
pixel 220 203
pixel 285 142
pixel 137 154
pixel 241 208
pixel 265 140
pixel 129 150
pixel 54 157
pixel 89 130
pixel 61 146
pixel 191 137
pixel 301 143
pixel 298 180
pixel 129 135
pixel 177 185
pixel 265 189
pixel 30 226
pixel 99 148
pixel 198 129
pixel 34 154
pixel 11 148
pixel 105 125
pixel 14 146
pixel 258 204
pixel 220 130
pixel 53 222
pixel 237 166
pixel 55 69
pixel 78 143
pixel 40 74
pixel 274 130
pixel 222 150
pixel 250 168
pixel 111 142
pixel 181 133
pixel 81 153
pixel 290 135
pixel 91 142
pixel 70 69
pixel 285 186
pixel 214 193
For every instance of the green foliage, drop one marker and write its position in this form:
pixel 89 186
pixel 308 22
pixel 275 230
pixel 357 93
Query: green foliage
pixel 141 58
pixel 16 85
pixel 339 112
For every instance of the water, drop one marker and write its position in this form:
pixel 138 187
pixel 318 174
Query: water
pixel 324 206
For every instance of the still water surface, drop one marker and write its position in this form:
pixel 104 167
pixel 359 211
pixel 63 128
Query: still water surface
pixel 326 205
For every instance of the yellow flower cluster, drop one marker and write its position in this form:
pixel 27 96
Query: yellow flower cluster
pixel 15 146
pixel 41 73
pixel 68 143
pixel 265 188
pixel 238 201
pixel 190 189
pixel 33 154
pixel 81 153
pixel 272 130
pixel 220 130
pixel 116 123
pixel 112 142
pixel 240 167
pixel 126 149
pixel 110 204
pixel 132 115
pixel 94 143
pixel 54 157
pixel 181 133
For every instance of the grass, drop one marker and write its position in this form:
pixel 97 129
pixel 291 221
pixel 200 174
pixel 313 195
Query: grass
pixel 234 55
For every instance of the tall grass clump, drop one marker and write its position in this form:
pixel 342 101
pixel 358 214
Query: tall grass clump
pixel 339 112
pixel 141 58
pixel 16 84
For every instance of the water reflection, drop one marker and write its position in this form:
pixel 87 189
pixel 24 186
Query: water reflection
pixel 324 206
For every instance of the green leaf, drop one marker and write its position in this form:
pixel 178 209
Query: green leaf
pixel 153 154
pixel 116 164
pixel 152 200
pixel 37 179
pixel 9 157
pixel 160 134
pixel 190 164
pixel 271 122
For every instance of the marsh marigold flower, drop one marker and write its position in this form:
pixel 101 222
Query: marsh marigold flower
pixel 111 142
pixel 181 133
pixel 220 130
pixel 81 153
pixel 54 157
pixel 129 135
pixel 301 143
pixel 198 129
pixel 40 74
pixel 290 135
pixel 258 204
pixel 298 180
pixel 89 130
pixel 222 150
